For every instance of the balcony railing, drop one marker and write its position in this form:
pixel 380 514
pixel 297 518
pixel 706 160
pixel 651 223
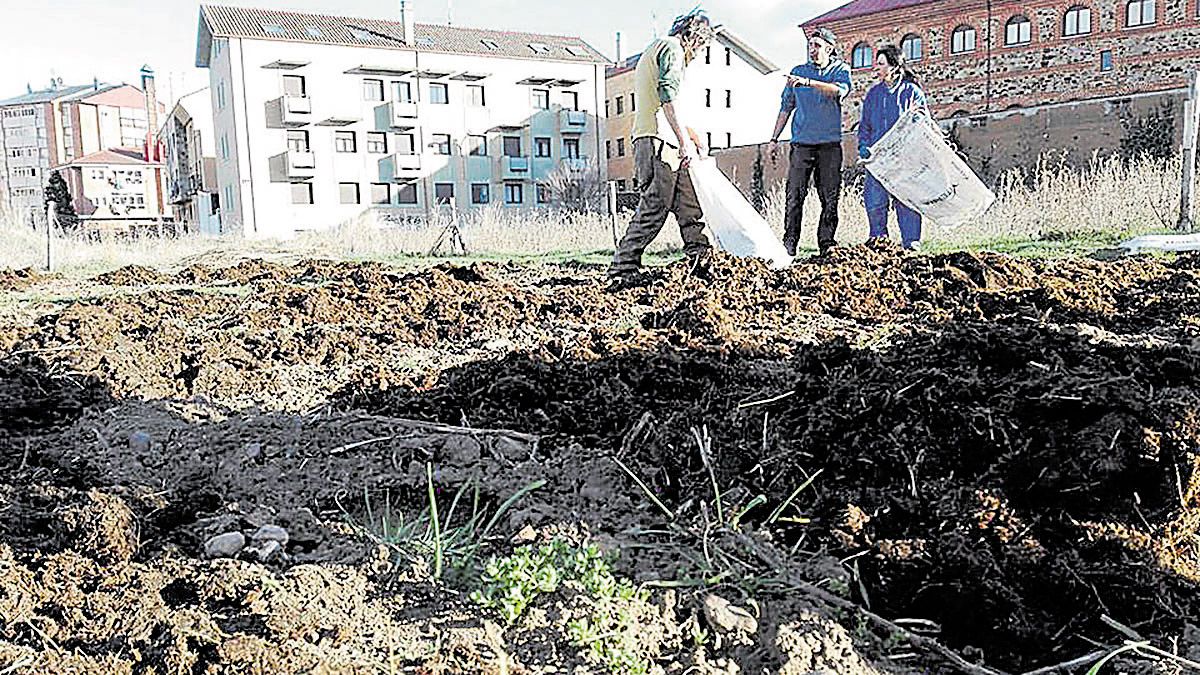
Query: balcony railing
pixel 575 119
pixel 301 164
pixel 293 111
pixel 516 167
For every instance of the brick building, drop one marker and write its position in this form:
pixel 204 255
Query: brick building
pixel 979 56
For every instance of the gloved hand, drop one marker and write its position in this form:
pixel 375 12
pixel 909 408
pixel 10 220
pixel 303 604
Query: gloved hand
pixel 864 156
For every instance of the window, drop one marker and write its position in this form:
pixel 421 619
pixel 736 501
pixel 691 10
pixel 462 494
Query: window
pixel 607 109
pixel 729 139
pixel 402 91
pixel 441 144
pixel 512 146
pixel 490 44
pixel 406 144
pixel 608 149
pixel 406 193
pixel 541 147
pixel 225 146
pixel 475 96
pixel 344 141
pixel 620 147
pixel 912 47
pixel 570 100
pixel 479 193
pixel 1077 21
pixel 302 193
pixel 1139 13
pixel 439 93
pixel 708 140
pixel 372 90
pixel 728 98
pixel 632 102
pixel 221 95
pixel 862 56
pixel 571 148
pixel 376 143
pixel 443 192
pixel 348 193
pixel 543 194
pixel 312 31
pixel 477 145
pixel 962 40
pixel 514 193
pixel 297 140
pixel 381 193
pixel 293 85
pixel 272 28
pixel 541 99
pixel 708 98
pixel 1017 31
pixel 1106 60
pixel 539 48
pixel 620 105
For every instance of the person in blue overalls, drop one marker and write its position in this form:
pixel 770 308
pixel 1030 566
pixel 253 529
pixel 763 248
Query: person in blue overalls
pixel 897 92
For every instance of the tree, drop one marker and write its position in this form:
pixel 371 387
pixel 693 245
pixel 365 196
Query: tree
pixel 577 188
pixel 58 192
pixel 758 187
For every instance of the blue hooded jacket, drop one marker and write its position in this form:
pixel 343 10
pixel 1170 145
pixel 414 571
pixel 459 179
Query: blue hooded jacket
pixel 881 109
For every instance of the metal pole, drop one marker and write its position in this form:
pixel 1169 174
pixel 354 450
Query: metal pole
pixel 51 219
pixel 612 210
pixel 1188 188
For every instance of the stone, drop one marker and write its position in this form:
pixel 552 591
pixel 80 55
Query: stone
pixel 140 441
pixel 226 545
pixel 271 533
pixel 268 549
pixel 726 617
pixel 254 451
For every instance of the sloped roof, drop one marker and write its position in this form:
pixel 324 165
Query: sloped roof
pixel 58 94
pixel 224 21
pixel 857 8
pixel 725 37
pixel 113 156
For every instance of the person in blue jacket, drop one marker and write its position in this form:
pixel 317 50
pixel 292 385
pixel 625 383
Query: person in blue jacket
pixel 897 92
pixel 813 100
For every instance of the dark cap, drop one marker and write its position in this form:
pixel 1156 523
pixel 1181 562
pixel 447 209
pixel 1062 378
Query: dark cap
pixel 825 35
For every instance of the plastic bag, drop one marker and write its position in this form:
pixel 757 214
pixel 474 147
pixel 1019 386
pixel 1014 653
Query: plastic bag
pixel 736 226
pixel 916 166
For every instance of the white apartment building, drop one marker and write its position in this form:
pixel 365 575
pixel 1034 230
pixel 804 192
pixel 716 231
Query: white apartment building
pixel 43 130
pixel 320 118
pixel 189 154
pixel 730 96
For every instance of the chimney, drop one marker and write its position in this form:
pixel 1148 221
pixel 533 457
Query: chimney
pixel 618 48
pixel 408 18
pixel 151 95
pixel 95 83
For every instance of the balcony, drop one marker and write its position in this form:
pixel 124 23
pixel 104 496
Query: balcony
pixel 516 167
pixel 289 111
pixel 397 115
pixel 573 119
pixel 576 164
pixel 399 166
pixel 300 164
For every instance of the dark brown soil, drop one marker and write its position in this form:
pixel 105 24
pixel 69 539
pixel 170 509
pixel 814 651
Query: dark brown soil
pixel 1007 448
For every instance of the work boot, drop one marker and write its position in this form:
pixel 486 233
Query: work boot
pixel 789 245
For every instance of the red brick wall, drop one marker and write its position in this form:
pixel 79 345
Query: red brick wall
pixel 1049 69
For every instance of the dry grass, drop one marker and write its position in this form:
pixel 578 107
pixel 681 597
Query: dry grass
pixel 1109 199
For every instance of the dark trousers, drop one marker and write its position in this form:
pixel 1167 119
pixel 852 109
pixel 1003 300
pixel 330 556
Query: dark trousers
pixel 823 163
pixel 664 191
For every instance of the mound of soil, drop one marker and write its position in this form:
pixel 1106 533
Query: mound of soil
pixel 1006 448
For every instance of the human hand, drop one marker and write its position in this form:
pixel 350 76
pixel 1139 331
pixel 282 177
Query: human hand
pixel 774 149
pixel 687 153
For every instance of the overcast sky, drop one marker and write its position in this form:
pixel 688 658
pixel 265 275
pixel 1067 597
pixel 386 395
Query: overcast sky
pixel 111 39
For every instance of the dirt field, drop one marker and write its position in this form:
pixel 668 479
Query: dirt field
pixel 230 470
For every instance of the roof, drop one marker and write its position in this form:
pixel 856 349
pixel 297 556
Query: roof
pixel 725 37
pixel 113 156
pixel 856 8
pixel 224 21
pixel 58 94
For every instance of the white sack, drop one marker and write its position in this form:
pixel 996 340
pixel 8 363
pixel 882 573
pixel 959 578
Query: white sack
pixel 734 223
pixel 916 165
pixel 1163 242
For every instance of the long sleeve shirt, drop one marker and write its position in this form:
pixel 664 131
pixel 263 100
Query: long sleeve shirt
pixel 657 80
pixel 882 107
pixel 816 116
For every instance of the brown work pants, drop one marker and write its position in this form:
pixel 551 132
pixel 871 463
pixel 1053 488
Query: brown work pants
pixel 663 191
